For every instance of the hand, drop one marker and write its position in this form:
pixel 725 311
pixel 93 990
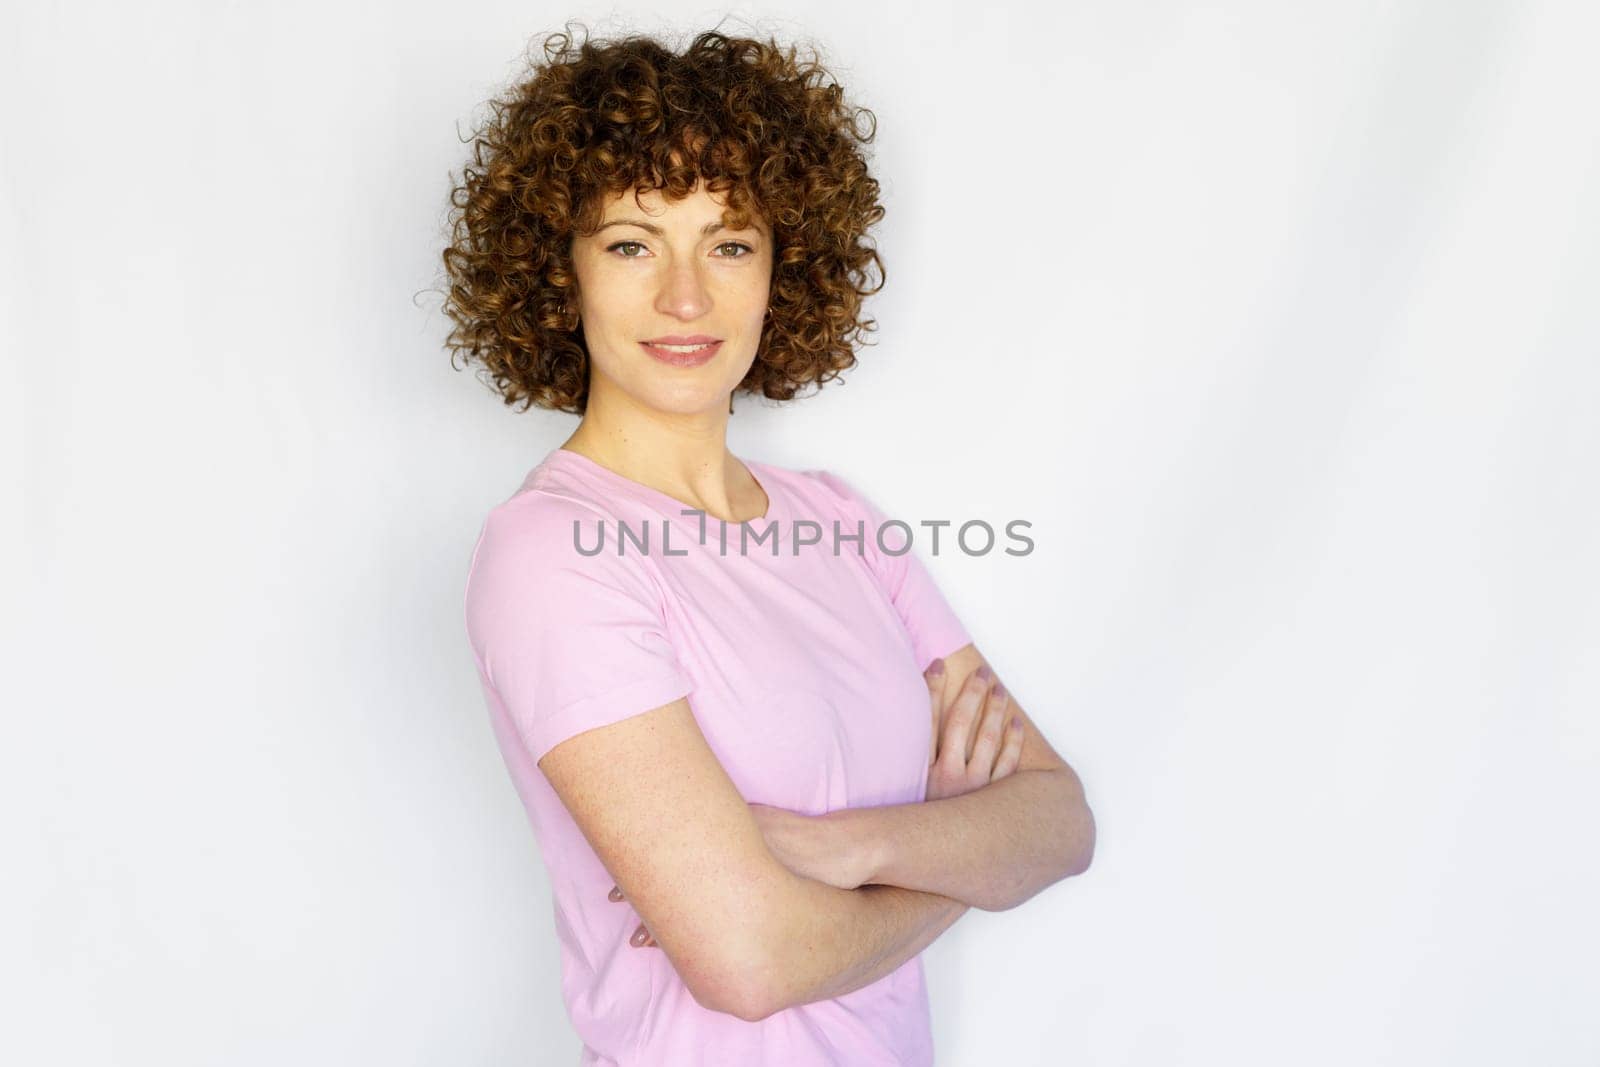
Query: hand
pixel 811 846
pixel 641 937
pixel 959 759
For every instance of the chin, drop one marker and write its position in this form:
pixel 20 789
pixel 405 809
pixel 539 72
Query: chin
pixel 685 397
pixel 685 401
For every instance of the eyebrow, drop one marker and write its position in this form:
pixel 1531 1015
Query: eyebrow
pixel 710 227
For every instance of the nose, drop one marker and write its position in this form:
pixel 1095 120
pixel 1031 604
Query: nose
pixel 683 292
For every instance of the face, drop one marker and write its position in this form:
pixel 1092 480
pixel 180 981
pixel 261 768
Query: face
pixel 671 273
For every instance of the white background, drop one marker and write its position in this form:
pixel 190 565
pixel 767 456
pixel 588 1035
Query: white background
pixel 1278 322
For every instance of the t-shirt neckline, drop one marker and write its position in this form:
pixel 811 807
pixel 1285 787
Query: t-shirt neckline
pixel 758 471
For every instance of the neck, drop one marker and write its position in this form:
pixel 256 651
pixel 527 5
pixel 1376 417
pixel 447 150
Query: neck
pixel 685 456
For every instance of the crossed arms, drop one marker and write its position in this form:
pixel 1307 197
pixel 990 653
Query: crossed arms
pixel 749 935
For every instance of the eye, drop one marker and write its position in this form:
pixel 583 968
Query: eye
pixel 740 245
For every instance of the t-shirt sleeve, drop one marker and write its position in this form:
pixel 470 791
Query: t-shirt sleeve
pixel 567 642
pixel 934 628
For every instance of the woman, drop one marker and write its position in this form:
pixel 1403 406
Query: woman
pixel 746 730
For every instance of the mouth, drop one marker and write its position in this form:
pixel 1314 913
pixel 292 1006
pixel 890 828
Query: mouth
pixel 683 351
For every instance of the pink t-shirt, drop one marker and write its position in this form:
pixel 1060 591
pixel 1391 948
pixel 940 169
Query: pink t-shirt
pixel 804 672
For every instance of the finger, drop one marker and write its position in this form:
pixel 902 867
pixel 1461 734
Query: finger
pixel 986 679
pixel 1010 752
pixel 934 676
pixel 956 743
pixel 980 768
pixel 649 942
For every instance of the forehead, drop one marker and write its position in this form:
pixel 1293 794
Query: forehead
pixel 654 200
pixel 699 206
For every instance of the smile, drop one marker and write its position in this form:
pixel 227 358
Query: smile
pixel 683 355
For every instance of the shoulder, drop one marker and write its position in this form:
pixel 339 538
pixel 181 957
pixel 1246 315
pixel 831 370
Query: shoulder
pixel 818 479
pixel 826 492
pixel 544 550
pixel 540 512
pixel 535 527
pixel 842 496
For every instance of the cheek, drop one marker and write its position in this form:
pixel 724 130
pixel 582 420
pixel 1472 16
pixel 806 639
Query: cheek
pixel 757 292
pixel 608 303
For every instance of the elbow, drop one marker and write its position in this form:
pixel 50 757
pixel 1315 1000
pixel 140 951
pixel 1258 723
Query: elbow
pixel 1082 853
pixel 763 978
pixel 1071 856
pixel 760 991
pixel 753 1011
pixel 725 998
pixel 741 984
pixel 732 997
pixel 746 973
pixel 1077 830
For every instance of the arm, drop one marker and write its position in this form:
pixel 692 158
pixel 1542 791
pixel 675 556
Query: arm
pixel 829 942
pixel 577 650
pixel 993 847
pixel 747 936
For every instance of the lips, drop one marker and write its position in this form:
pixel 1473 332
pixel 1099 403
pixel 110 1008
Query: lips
pixel 691 352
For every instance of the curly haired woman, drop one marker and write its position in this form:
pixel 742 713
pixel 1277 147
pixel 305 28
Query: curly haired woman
pixel 785 769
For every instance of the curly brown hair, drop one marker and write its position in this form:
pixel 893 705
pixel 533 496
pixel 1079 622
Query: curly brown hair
pixel 771 132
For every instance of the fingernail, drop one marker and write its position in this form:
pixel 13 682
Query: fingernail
pixel 937 668
pixel 984 673
pixel 616 893
pixel 999 691
pixel 638 937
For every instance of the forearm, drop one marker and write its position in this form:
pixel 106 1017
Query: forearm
pixel 829 941
pixel 992 848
